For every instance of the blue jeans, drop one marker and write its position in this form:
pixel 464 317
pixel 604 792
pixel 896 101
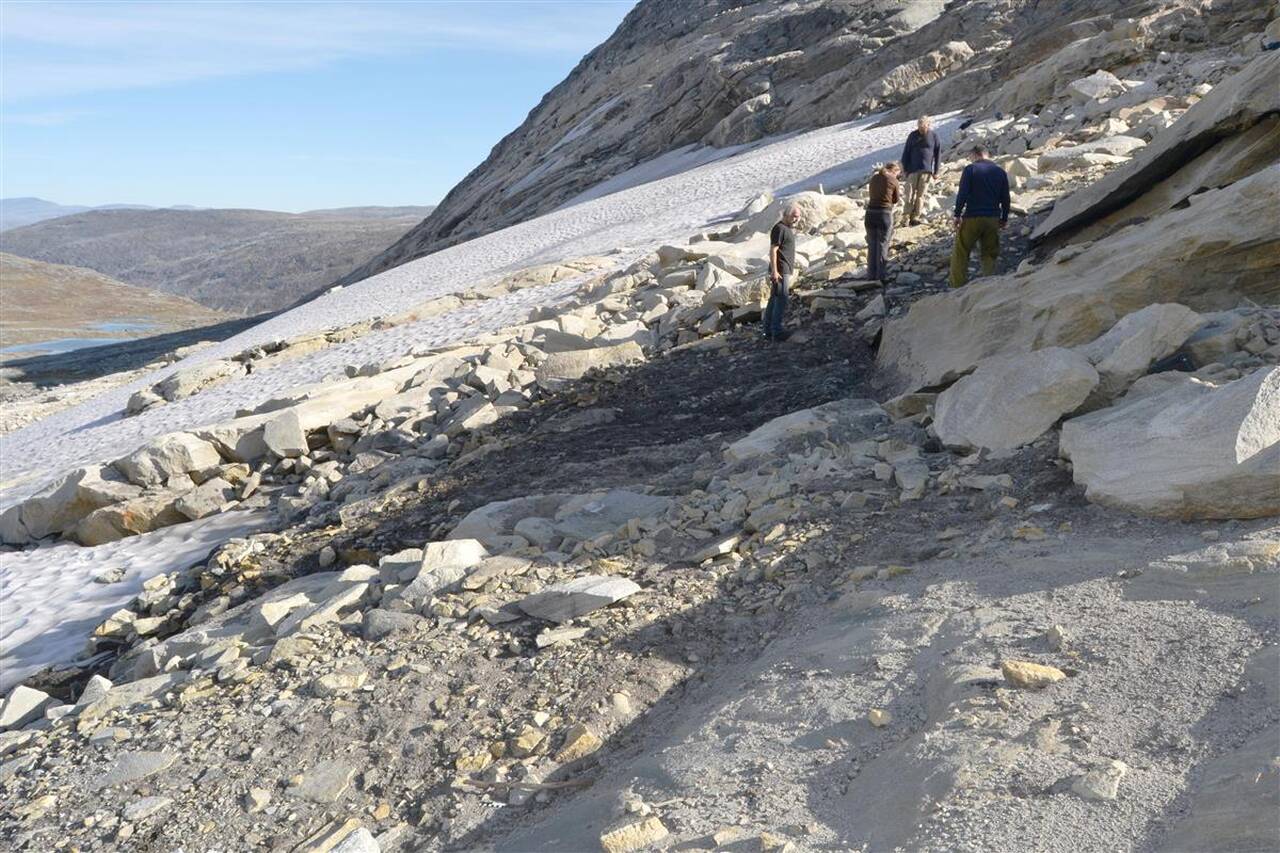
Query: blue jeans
pixel 777 307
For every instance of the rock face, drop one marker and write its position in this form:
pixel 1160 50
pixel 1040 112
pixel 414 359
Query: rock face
pixel 1206 256
pixel 1193 450
pixel 1009 401
pixel 725 73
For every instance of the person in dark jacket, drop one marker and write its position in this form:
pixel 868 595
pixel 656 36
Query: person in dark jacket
pixel 884 195
pixel 921 156
pixel 982 211
pixel 782 268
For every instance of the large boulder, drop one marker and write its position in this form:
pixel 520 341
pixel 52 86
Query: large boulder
pixel 815 209
pixel 161 458
pixel 1011 400
pixel 1192 450
pixel 193 380
pixel 737 294
pixel 1220 248
pixel 562 368
pixel 1129 348
pixel 143 514
pixel 206 499
pixel 1232 133
pixel 63 504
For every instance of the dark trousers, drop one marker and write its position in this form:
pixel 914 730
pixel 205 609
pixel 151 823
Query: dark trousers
pixel 879 222
pixel 777 307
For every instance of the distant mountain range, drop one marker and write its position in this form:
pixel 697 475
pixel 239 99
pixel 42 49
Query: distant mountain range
pixel 237 261
pixel 16 212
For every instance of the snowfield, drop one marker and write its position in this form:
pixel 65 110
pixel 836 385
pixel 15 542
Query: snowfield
pixel 47 599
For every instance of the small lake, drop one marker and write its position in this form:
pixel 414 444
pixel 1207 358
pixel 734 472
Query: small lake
pixel 60 345
pixel 123 327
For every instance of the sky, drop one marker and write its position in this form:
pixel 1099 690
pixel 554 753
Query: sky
pixel 280 106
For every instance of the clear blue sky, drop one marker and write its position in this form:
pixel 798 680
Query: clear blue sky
pixel 282 106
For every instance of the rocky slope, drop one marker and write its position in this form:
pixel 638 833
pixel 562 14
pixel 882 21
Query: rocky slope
pixel 238 261
pixel 946 570
pixel 719 73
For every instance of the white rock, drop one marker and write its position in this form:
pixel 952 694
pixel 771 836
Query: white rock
pixel 1191 450
pixel 23 705
pixel 1132 345
pixel 1100 84
pixel 284 435
pixel 1101 783
pixel 145 808
pixel 62 505
pixel 192 380
pixel 1009 401
pixel 206 499
pixel 562 368
pixel 360 841
pixel 160 458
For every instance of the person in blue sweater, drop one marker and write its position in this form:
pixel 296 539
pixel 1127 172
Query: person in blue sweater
pixel 982 211
pixel 921 156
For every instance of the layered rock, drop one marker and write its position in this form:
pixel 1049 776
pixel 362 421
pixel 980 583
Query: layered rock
pixel 1220 248
pixel 1231 134
pixel 1191 450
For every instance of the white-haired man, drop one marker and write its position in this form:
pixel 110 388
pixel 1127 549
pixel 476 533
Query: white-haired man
pixel 782 266
pixel 921 156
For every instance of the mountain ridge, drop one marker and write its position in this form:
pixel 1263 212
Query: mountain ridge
pixel 243 261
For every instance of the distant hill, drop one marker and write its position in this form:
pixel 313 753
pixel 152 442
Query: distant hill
pixel 49 302
pixel 239 261
pixel 16 212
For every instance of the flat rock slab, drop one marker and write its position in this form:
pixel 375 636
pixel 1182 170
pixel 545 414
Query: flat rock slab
pixel 132 767
pixel 325 783
pixel 587 516
pixel 145 808
pixel 565 601
pixel 839 420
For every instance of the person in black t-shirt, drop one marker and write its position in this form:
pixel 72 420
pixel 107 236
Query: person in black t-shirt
pixel 782 267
